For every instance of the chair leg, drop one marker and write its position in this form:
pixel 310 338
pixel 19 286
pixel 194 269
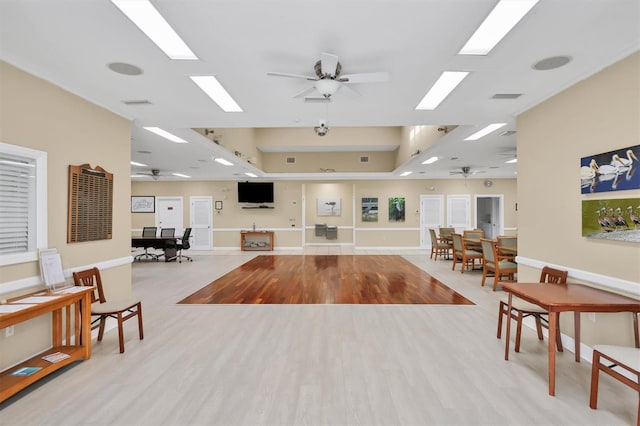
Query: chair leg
pixel 635 329
pixel 595 372
pixel 518 331
pixel 484 276
pixel 120 332
pixel 501 312
pixel 103 321
pixel 140 332
pixel 539 327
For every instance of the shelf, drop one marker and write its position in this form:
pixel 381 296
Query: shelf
pixel 263 240
pixel 258 207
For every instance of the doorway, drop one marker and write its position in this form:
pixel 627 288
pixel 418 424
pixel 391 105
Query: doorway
pixel 431 216
pixel 490 214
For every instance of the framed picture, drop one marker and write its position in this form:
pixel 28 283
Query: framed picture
pixel 218 205
pixel 396 209
pixel 610 171
pixel 369 209
pixel 329 207
pixel 612 219
pixel 143 204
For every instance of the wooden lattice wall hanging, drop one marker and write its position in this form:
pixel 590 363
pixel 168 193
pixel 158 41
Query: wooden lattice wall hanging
pixel 90 210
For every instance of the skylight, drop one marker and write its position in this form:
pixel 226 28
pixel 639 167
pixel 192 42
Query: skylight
pixel 504 16
pixel 149 21
pixel 212 87
pixel 441 89
pixel 158 131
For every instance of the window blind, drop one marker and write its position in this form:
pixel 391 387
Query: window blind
pixel 17 204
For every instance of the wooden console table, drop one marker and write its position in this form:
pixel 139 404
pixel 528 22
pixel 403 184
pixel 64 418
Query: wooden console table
pixel 66 329
pixel 256 240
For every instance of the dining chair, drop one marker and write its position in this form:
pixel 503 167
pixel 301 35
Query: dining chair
pixel 521 309
pixel 119 309
pixel 509 242
pixel 608 358
pixel 464 254
pixel 445 232
pixel 439 246
pixel 500 266
pixel 148 231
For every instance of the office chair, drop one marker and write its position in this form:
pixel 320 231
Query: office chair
pixel 148 231
pixel 121 310
pixel 184 245
pixel 165 232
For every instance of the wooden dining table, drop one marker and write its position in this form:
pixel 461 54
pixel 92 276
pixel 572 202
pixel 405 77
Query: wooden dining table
pixel 576 298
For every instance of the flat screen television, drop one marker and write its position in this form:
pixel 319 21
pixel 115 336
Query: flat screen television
pixel 255 192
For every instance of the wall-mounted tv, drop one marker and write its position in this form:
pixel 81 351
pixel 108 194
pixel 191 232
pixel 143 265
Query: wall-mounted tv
pixel 255 192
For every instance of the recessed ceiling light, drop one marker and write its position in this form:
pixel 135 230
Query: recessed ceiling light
pixel 148 19
pixel 441 89
pixel 133 163
pixel 180 175
pixel 504 16
pixel 223 161
pixel 251 174
pixel 212 87
pixel 158 131
pixel 124 68
pixel 405 173
pixel 551 63
pixel 513 160
pixel 430 160
pixel 484 132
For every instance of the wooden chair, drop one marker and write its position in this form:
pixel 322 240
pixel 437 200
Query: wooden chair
pixel 148 231
pixel 445 232
pixel 121 310
pixel 464 254
pixel 439 246
pixel 500 266
pixel 521 309
pixel 510 243
pixel 605 359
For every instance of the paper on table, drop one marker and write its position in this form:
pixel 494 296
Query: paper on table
pixel 7 309
pixel 74 289
pixel 36 299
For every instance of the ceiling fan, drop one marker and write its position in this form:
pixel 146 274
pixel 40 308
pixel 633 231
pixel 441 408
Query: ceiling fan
pixel 465 172
pixel 154 173
pixel 328 78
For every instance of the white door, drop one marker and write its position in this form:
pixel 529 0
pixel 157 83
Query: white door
pixel 459 212
pixel 201 218
pixel 169 214
pixel 431 216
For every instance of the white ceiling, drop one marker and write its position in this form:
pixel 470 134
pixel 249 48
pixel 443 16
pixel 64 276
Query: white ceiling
pixel 71 42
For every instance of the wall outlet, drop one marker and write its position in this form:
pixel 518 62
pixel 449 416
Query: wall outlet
pixel 8 332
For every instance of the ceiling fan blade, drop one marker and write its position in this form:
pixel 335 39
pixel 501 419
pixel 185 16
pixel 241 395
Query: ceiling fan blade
pixel 350 90
pixel 304 92
pixel 316 100
pixel 329 63
pixel 281 74
pixel 370 77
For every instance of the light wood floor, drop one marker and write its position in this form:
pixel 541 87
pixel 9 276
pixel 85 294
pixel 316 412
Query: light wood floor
pixel 315 364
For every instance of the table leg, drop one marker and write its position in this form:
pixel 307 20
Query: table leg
pixel 576 334
pixel 508 337
pixel 86 325
pixel 553 323
pixel 56 335
pixel 635 328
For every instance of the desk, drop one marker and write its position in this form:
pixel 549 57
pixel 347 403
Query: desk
pixel 160 243
pixel 556 298
pixel 77 328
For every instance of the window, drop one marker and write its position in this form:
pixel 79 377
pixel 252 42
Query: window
pixel 23 203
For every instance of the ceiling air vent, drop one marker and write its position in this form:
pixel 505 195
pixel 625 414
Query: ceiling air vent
pixel 506 96
pixel 508 133
pixel 291 160
pixel 137 102
pixel 364 158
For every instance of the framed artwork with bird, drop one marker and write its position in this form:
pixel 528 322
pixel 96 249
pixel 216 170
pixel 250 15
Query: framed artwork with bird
pixel 610 171
pixel 612 219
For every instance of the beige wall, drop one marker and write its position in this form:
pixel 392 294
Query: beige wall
pixel 297 199
pixel 599 114
pixel 39 115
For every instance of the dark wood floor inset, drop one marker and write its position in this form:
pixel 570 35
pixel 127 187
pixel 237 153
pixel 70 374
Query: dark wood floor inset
pixel 327 279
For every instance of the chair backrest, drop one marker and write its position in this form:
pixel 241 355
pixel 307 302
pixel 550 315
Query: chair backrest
pixel 457 242
pixel 167 232
pixel 149 231
pixel 488 250
pixel 554 276
pixel 185 239
pixel 445 232
pixel 473 233
pixel 508 241
pixel 91 278
pixel 434 239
